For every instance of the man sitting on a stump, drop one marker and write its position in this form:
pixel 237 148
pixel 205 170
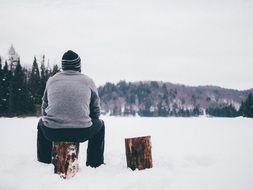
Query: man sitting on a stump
pixel 70 112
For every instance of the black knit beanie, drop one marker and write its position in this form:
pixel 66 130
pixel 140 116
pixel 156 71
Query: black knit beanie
pixel 71 61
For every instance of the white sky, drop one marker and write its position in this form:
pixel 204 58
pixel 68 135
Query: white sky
pixel 189 42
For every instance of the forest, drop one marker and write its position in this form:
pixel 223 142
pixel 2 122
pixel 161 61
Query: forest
pixel 21 90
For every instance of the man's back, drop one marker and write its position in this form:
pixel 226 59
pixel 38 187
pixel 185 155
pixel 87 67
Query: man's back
pixel 70 109
pixel 68 100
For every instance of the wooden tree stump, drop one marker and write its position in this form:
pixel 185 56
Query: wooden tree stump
pixel 65 158
pixel 138 152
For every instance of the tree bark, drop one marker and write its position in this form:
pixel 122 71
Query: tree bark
pixel 65 158
pixel 138 152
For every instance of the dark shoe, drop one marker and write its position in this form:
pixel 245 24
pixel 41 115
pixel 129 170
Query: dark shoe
pixel 94 165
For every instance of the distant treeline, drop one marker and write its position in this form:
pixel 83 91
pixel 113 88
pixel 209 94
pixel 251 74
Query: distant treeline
pixel 246 109
pixel 21 90
pixel 149 99
pixel 159 99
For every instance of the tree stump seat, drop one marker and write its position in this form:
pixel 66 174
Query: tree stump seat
pixel 65 158
pixel 138 152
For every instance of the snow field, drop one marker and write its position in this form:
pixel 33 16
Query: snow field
pixel 188 154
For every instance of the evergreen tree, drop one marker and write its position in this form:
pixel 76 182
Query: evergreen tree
pixel 223 111
pixel 5 88
pixel 0 63
pixel 196 111
pixel 11 98
pixel 47 71
pixel 122 87
pixel 246 109
pixel 10 92
pixel 43 76
pixel 1 88
pixel 22 101
pixel 34 83
pixel 55 70
pixel 162 111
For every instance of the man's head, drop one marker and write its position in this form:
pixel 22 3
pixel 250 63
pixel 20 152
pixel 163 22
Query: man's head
pixel 71 61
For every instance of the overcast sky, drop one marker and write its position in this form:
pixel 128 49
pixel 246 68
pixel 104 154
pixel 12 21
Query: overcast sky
pixel 187 42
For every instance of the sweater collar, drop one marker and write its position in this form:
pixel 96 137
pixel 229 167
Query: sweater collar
pixel 70 72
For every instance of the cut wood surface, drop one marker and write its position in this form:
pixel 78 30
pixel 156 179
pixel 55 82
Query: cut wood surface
pixel 65 158
pixel 138 152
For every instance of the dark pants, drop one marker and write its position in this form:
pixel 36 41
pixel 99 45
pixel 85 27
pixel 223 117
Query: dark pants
pixel 94 134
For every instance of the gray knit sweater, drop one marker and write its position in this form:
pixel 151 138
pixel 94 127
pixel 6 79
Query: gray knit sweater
pixel 70 101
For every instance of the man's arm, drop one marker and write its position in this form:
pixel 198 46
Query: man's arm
pixel 44 103
pixel 94 103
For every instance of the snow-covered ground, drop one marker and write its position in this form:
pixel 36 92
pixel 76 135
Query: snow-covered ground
pixel 188 154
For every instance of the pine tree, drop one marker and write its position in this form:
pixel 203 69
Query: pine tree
pixel 55 70
pixel 43 76
pixel 11 93
pixel 5 90
pixel 246 109
pixel 47 71
pixel 222 111
pixel 196 111
pixel 1 88
pixel 11 99
pixel 22 101
pixel 34 83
